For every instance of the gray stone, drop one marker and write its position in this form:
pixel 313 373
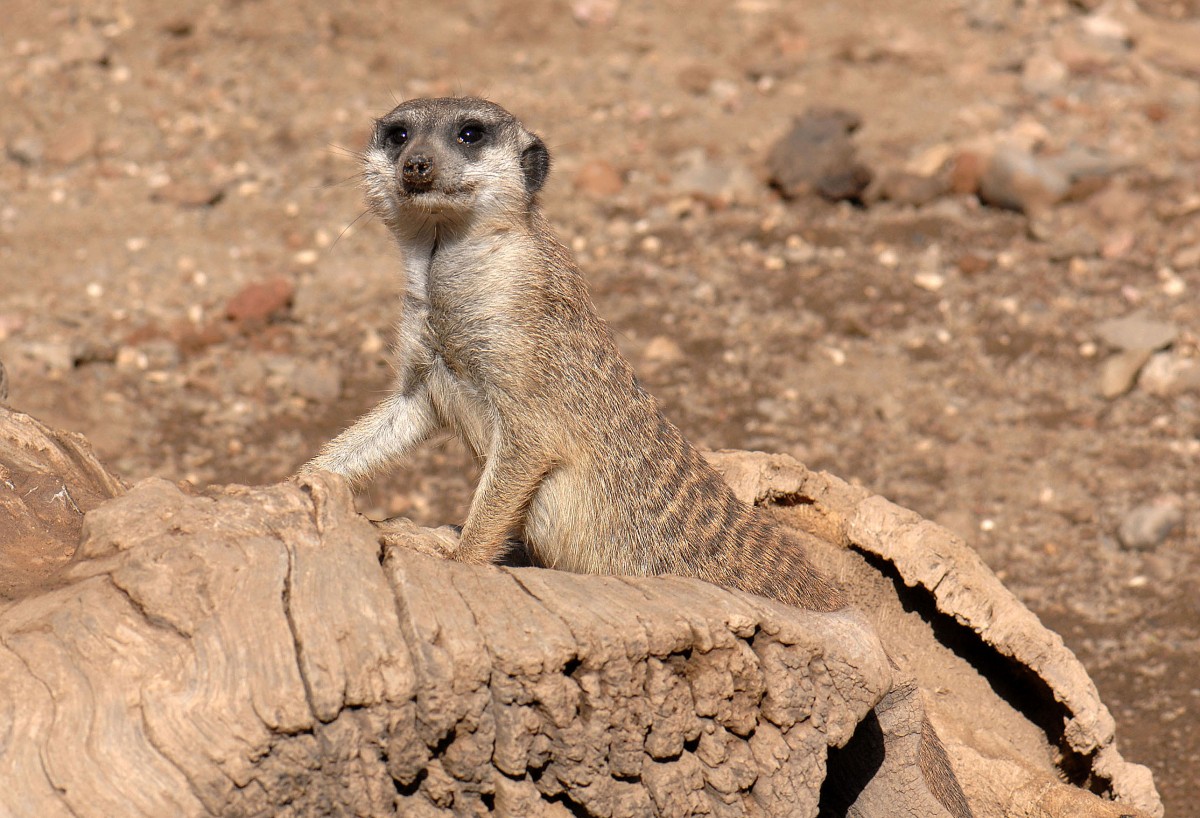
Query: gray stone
pixel 1119 373
pixel 1017 180
pixel 319 381
pixel 1147 525
pixel 1137 332
pixel 1167 374
pixel 818 156
pixel 58 356
pixel 697 174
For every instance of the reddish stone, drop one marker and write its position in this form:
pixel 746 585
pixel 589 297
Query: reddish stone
pixel 261 301
pixel 599 178
pixel 966 171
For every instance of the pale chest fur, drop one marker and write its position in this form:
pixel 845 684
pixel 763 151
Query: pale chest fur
pixel 453 331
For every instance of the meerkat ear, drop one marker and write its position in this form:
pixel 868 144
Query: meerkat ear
pixel 535 164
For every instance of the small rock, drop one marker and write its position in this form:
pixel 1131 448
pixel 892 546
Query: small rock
pixel 696 78
pixel 160 353
pixel 599 178
pixel 193 338
pixel 988 14
pixel 595 12
pixel 1118 205
pixel 10 322
pixel 663 350
pixel 1186 258
pixel 261 301
pixel 907 188
pixel 966 172
pixel 817 155
pixel 1043 74
pixel 71 144
pixel 1119 373
pixel 81 45
pixel 1076 241
pixel 58 356
pixel 1151 523
pixel 1118 244
pixel 970 264
pixel 1106 30
pixel 372 343
pixel 26 150
pixel 1137 332
pixel 1017 180
pixel 319 381
pixel 246 374
pixel 697 174
pixel 1167 374
pixel 189 194
pixel 932 160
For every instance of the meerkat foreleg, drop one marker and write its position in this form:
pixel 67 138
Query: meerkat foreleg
pixel 506 487
pixel 382 436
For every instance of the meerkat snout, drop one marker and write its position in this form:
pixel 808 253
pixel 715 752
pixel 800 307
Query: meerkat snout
pixel 416 172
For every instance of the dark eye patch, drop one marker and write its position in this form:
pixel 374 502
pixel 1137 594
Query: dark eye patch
pixel 394 136
pixel 471 133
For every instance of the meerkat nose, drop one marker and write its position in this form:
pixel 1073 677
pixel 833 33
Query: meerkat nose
pixel 417 172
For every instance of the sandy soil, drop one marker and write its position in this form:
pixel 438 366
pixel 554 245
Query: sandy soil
pixel 185 280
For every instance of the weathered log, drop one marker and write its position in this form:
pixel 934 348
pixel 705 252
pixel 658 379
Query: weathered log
pixel 265 651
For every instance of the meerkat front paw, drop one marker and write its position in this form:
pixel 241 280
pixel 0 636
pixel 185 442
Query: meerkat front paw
pixel 401 532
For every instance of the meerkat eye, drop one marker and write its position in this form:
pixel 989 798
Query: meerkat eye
pixel 471 133
pixel 395 136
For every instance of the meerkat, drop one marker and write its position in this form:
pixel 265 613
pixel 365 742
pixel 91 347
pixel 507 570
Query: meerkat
pixel 499 342
pixel 3 383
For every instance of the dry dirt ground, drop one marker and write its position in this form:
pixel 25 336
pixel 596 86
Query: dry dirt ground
pixel 184 279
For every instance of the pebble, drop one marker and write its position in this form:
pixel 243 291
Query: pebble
pixel 188 194
pixel 818 156
pixel 913 189
pixel 1017 180
pixel 58 356
pixel 1167 374
pixel 11 322
pixel 1118 244
pixel 931 282
pixel 595 12
pixel 26 150
pixel 319 381
pixel 663 350
pixel 1186 258
pixel 696 78
pixel 1118 205
pixel 1149 524
pixel 1076 241
pixel 1043 74
pixel 262 300
pixel 599 178
pixel 699 175
pixel 1137 332
pixel 966 172
pixel 71 144
pixel 1119 373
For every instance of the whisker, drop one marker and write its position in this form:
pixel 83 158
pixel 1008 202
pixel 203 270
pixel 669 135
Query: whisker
pixel 368 212
pixel 356 179
pixel 342 150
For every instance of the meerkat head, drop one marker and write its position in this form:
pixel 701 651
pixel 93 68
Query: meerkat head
pixel 444 163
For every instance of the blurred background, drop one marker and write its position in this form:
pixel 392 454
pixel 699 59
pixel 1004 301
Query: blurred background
pixel 946 249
